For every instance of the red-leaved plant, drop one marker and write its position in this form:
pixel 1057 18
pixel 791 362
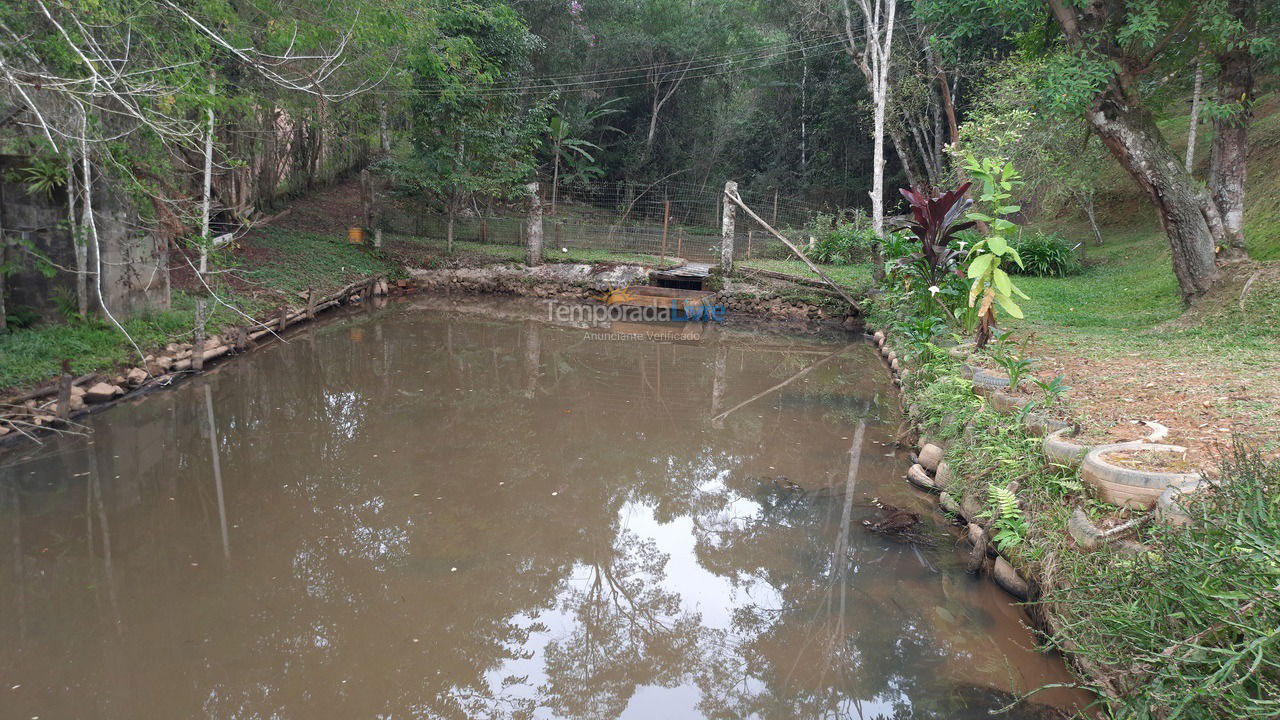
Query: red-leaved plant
pixel 936 221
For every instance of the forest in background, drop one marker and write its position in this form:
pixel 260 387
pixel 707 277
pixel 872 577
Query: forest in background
pixel 205 115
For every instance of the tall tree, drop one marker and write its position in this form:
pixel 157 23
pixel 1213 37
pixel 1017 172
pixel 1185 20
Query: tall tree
pixel 1109 58
pixel 869 32
pixel 1238 46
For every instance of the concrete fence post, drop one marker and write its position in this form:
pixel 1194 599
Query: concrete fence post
pixel 533 233
pixel 726 227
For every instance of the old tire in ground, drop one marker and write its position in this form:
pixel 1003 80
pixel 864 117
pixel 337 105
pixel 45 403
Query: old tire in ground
pixel 930 456
pixel 1005 403
pixel 1132 487
pixel 1042 425
pixel 1009 579
pixel 1059 449
pixel 1171 505
pixel 987 379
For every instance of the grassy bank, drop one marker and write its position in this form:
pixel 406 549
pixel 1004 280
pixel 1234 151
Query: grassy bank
pixel 1181 622
pixel 856 278
pixel 265 271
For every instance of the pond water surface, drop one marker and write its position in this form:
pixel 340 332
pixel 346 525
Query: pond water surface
pixel 439 511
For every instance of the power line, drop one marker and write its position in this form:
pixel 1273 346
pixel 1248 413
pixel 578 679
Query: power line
pixel 692 73
pixel 676 63
pixel 695 68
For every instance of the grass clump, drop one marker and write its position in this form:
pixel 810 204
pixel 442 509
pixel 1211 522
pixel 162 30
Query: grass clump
pixel 1190 629
pixel 1046 255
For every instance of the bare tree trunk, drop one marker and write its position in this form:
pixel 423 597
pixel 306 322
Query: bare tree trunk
pixel 206 207
pixel 874 55
pixel 384 132
pixel 1195 111
pixel 366 199
pixel 1186 213
pixel 910 163
pixel 804 107
pixel 659 99
pixel 880 95
pixel 449 230
pixel 1230 149
pixel 79 247
pixel 86 223
pixel 4 251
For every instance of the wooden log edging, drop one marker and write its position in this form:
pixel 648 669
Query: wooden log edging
pixel 37 413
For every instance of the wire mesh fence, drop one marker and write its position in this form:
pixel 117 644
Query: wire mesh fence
pixel 665 220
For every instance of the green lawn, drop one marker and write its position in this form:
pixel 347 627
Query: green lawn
pixel 854 277
pixel 284 263
pixel 300 260
pixel 1128 300
pixel 515 253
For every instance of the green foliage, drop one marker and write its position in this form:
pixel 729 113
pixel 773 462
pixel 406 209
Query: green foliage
pixel 473 139
pixel 68 305
pixel 1007 522
pixel 34 354
pixel 571 156
pixel 991 283
pixel 1053 390
pixel 1013 118
pixel 929 271
pixel 839 239
pixel 1192 624
pixel 302 261
pixel 1045 255
pixel 45 174
pixel 20 316
pixel 1012 357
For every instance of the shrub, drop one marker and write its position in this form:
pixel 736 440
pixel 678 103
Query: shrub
pixel 1046 255
pixel 839 240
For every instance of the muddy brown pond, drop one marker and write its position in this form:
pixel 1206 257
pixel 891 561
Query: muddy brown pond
pixel 459 510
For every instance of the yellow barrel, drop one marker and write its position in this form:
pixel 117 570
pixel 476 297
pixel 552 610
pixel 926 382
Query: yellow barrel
pixel 355 235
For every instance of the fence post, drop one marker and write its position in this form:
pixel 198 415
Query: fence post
pixel 666 220
pixel 533 235
pixel 726 228
pixel 749 234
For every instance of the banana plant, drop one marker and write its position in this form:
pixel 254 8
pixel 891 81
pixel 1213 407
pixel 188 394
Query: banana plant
pixel 991 283
pixel 566 149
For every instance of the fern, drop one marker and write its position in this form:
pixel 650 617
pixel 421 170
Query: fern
pixel 1009 526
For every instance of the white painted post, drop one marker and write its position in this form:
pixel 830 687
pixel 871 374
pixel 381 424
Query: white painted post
pixel 726 227
pixel 533 234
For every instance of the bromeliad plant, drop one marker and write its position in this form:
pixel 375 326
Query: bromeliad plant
pixel 991 284
pixel 936 220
